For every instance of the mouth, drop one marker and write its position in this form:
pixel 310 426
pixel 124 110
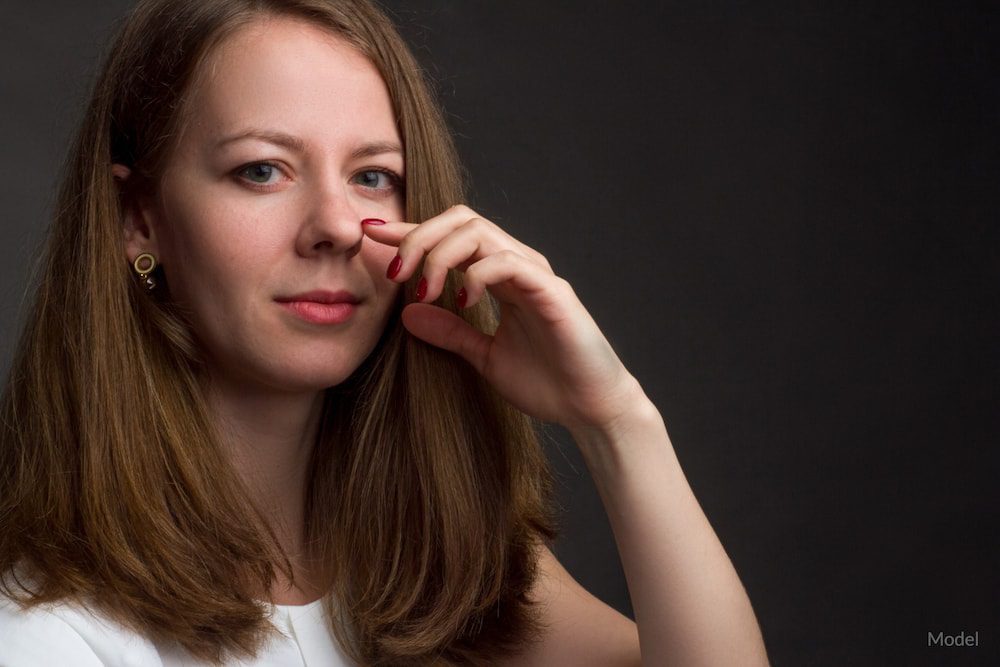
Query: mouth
pixel 320 306
pixel 322 297
pixel 320 313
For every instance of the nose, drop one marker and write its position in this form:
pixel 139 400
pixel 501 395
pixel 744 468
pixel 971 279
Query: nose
pixel 331 223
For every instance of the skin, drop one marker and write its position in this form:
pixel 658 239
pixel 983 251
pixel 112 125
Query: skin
pixel 229 250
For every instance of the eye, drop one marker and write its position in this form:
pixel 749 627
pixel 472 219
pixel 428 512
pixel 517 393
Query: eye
pixel 370 178
pixel 259 173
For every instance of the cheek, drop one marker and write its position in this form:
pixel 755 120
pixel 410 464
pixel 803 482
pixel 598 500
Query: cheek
pixel 214 249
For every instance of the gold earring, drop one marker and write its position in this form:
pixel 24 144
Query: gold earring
pixel 149 263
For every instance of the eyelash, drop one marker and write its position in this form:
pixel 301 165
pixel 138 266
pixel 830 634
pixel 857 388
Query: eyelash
pixel 395 179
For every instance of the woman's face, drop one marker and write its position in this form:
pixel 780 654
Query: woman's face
pixel 242 222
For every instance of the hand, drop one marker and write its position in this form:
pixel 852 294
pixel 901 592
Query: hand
pixel 547 357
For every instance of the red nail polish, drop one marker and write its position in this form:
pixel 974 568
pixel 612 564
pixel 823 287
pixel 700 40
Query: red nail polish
pixel 461 298
pixel 394 266
pixel 421 289
pixel 372 221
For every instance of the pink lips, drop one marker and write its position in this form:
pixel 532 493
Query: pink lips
pixel 321 306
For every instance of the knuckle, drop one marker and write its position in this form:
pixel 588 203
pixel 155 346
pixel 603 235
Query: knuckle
pixel 405 244
pixel 478 223
pixel 431 261
pixel 411 242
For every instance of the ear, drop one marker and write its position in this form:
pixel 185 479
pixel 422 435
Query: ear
pixel 139 232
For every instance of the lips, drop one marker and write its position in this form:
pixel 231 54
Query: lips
pixel 326 307
pixel 321 296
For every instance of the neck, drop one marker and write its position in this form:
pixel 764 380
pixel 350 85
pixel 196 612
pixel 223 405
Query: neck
pixel 270 436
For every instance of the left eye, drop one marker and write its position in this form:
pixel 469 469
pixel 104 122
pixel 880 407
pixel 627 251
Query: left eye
pixel 370 179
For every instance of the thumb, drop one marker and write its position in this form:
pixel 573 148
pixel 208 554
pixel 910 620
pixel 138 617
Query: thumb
pixel 443 328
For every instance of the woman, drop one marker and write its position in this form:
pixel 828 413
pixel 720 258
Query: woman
pixel 238 428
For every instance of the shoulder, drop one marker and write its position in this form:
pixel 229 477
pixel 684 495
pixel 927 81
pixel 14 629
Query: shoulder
pixel 581 629
pixel 67 634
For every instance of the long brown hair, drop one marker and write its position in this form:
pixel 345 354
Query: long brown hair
pixel 428 496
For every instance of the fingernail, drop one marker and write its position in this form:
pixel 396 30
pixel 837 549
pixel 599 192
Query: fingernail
pixel 372 221
pixel 421 289
pixel 394 266
pixel 460 300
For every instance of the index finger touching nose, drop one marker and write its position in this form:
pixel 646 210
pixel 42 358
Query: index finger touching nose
pixel 387 232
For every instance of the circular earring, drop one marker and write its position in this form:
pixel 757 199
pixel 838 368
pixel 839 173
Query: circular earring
pixel 144 265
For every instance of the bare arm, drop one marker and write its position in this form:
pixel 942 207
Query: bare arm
pixel 690 606
pixel 689 603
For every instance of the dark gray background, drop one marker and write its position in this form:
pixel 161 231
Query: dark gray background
pixel 783 217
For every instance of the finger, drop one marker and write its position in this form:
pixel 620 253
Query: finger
pixel 390 233
pixel 473 241
pixel 518 280
pixel 425 236
pixel 448 331
pixel 525 250
pixel 421 240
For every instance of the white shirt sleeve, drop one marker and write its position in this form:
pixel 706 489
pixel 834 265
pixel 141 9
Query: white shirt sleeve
pixel 39 637
pixel 67 635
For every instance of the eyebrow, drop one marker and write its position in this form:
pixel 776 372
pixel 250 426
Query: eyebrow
pixel 296 144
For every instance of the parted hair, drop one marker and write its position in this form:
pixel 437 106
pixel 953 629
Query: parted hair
pixel 428 494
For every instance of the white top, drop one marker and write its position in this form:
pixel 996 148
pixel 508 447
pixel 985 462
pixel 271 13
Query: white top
pixel 66 634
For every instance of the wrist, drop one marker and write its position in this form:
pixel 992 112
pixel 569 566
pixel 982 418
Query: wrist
pixel 637 425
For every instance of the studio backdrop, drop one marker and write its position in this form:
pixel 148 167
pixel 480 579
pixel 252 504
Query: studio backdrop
pixel 782 215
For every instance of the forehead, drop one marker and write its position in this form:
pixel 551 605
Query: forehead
pixel 292 76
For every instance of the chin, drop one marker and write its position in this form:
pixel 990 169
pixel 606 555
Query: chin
pixel 296 375
pixel 311 377
pixel 304 382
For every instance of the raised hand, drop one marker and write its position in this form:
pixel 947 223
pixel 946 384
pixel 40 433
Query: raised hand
pixel 548 357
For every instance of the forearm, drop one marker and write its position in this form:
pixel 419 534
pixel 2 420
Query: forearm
pixel 690 606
